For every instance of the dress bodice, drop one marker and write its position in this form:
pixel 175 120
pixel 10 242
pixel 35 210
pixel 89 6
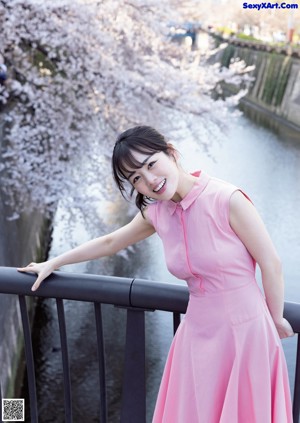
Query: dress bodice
pixel 199 243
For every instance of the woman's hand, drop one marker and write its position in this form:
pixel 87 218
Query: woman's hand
pixel 43 270
pixel 284 328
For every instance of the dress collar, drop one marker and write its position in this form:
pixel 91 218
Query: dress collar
pixel 191 196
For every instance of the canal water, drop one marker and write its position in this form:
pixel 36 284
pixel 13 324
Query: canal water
pixel 265 164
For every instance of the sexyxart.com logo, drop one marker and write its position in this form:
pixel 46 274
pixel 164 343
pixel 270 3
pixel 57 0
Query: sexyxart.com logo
pixel 268 5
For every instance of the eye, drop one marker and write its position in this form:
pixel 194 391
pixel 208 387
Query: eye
pixel 151 164
pixel 135 180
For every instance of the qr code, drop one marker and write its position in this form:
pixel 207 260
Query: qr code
pixel 13 410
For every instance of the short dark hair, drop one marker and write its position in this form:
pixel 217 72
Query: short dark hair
pixel 142 139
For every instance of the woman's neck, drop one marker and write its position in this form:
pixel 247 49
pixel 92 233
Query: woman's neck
pixel 185 184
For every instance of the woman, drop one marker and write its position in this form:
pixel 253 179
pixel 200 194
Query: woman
pixel 226 362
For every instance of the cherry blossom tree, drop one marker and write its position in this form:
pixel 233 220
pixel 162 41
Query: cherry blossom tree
pixel 78 73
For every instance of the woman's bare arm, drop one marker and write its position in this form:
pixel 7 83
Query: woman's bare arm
pixel 107 245
pixel 249 227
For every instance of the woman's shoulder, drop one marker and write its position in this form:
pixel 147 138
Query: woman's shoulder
pixel 217 187
pixel 157 213
pixel 150 213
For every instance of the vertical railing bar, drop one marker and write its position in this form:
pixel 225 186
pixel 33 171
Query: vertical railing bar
pixel 296 400
pixel 133 407
pixel 65 360
pixel 29 360
pixel 1 404
pixel 176 321
pixel 101 361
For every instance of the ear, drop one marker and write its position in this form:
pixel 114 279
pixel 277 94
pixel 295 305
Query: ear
pixel 173 152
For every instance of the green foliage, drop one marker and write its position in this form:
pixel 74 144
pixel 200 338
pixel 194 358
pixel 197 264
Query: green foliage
pixel 41 61
pixel 278 70
pixel 224 30
pixel 282 80
pixel 243 36
pixel 227 55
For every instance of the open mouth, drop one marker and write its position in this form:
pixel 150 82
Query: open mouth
pixel 160 186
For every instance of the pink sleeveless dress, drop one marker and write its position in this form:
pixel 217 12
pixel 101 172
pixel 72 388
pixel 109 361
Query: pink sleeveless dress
pixel 226 363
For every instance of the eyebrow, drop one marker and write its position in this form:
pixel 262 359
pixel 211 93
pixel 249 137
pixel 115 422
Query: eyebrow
pixel 142 164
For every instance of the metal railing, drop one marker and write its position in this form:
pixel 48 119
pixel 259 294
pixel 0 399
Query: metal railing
pixel 137 296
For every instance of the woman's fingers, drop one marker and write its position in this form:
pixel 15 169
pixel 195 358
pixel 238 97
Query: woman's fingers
pixel 36 284
pixel 284 329
pixel 29 268
pixel 289 329
pixel 41 269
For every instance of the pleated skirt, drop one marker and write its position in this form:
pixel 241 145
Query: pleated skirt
pixel 226 363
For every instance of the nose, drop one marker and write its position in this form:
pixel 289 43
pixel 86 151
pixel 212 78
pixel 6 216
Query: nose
pixel 150 179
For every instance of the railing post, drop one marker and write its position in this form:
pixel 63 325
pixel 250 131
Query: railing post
pixel 133 408
pixel 65 360
pixel 176 321
pixel 1 403
pixel 101 360
pixel 29 359
pixel 296 402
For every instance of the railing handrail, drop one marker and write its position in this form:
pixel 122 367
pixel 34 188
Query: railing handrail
pixel 138 296
pixel 124 292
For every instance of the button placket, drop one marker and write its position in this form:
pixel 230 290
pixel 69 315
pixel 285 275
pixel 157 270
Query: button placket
pixel 179 209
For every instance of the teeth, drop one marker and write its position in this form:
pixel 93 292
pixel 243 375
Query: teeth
pixel 160 186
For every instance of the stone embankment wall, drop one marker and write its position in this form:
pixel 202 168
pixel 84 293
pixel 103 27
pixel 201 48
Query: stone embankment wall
pixel 21 241
pixel 276 87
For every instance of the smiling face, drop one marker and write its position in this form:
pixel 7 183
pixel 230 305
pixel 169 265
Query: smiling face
pixel 143 157
pixel 155 175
